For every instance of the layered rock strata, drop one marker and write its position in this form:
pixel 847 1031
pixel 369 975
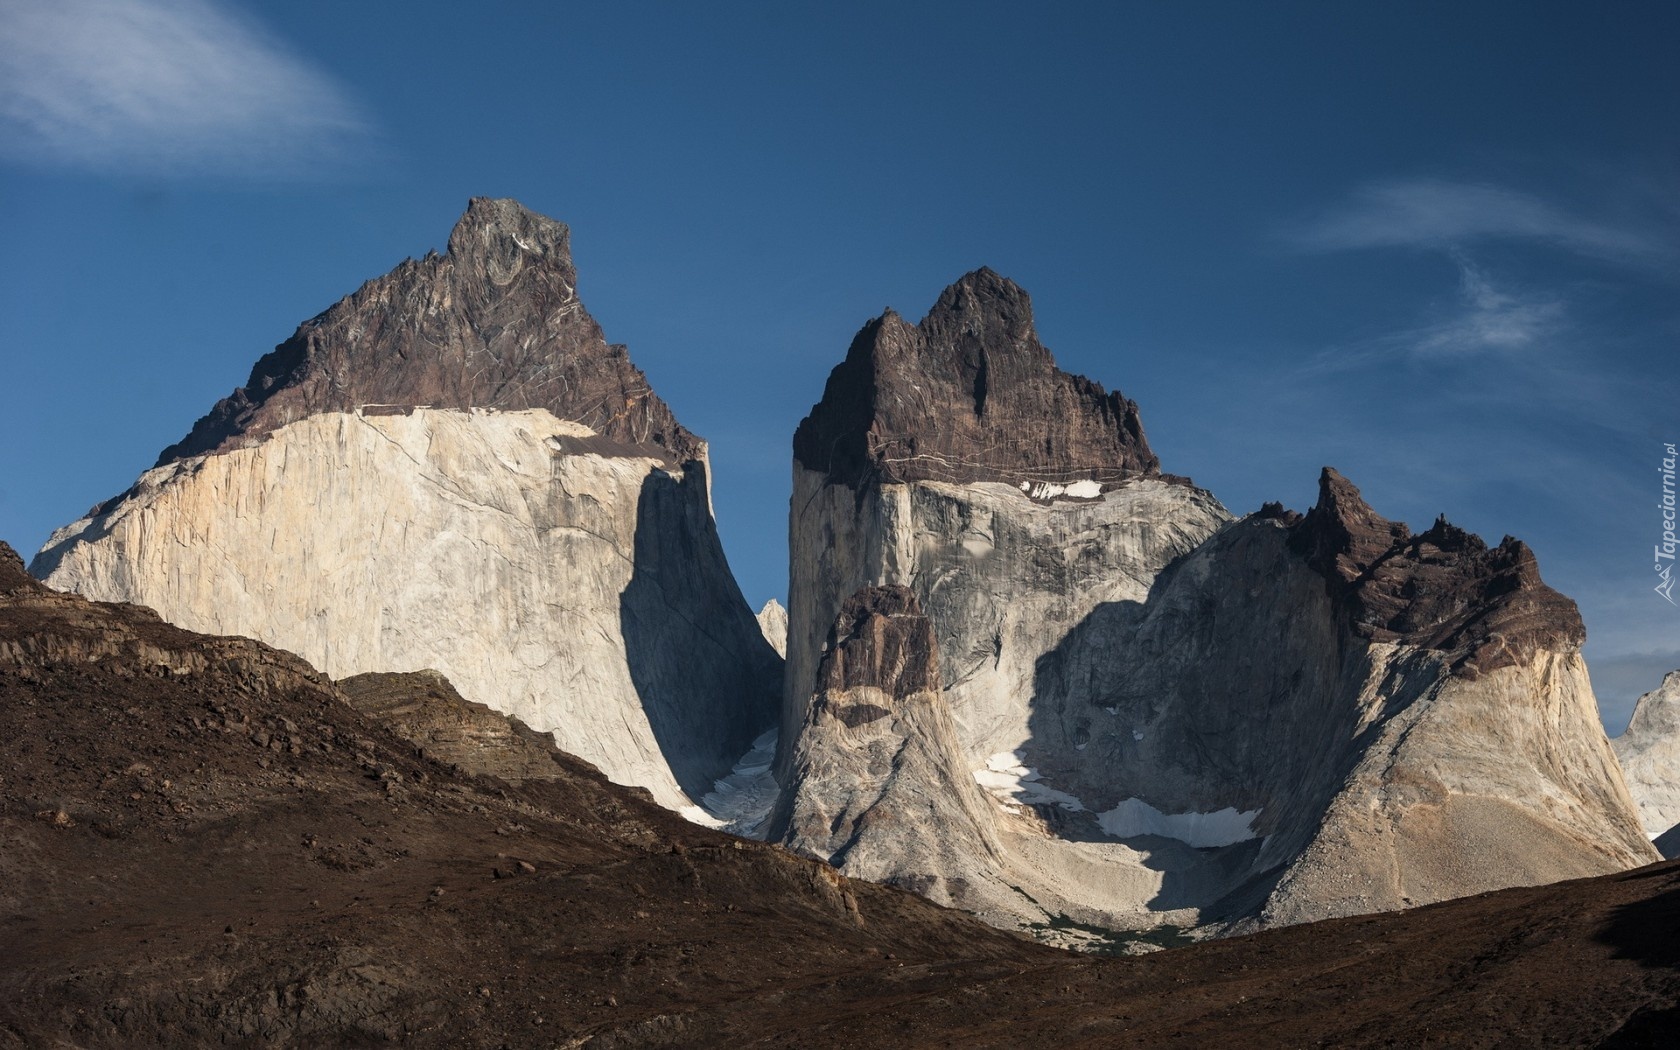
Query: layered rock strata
pixel 1179 717
pixel 452 469
pixel 1650 755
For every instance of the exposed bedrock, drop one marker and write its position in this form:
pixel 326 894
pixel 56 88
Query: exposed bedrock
pixel 452 469
pixel 878 766
pixel 1176 716
pixel 1650 754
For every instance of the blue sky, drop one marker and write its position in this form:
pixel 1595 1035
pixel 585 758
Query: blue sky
pixel 1434 245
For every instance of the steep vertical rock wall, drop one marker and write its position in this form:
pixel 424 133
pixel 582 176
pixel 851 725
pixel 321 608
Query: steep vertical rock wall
pixel 1176 716
pixel 452 469
pixel 1650 755
pixel 879 765
pixel 954 458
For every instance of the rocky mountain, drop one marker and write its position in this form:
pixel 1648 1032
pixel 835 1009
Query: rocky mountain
pixel 1179 717
pixel 953 457
pixel 1650 753
pixel 208 845
pixel 452 469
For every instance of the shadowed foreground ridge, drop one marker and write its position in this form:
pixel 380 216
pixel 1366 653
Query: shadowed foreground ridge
pixel 207 846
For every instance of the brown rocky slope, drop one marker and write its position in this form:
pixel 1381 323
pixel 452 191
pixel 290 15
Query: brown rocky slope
pixel 204 844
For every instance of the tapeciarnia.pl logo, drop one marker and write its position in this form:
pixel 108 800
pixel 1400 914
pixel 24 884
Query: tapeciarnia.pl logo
pixel 1665 549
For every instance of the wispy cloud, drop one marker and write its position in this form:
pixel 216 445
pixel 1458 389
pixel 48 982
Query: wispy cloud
pixel 1486 317
pixel 165 87
pixel 1429 213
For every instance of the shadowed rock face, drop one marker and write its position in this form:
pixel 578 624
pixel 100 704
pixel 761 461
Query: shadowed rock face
pixel 970 394
pixel 1443 589
pixel 494 323
pixel 12 574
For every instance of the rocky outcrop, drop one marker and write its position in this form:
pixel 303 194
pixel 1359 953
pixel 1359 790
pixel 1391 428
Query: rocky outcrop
pixel 423 708
pixel 451 469
pixel 1442 590
pixel 1650 755
pixel 1179 717
pixel 969 394
pixel 876 765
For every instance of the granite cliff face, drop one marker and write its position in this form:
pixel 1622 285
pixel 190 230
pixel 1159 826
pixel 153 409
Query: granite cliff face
pixel 1650 754
pixel 452 469
pixel 954 458
pixel 878 764
pixel 1177 717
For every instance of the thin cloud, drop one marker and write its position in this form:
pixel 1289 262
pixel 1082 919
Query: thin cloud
pixel 1425 213
pixel 165 87
pixel 1486 318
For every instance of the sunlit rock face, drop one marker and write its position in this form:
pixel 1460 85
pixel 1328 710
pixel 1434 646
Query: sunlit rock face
pixel 1174 716
pixel 878 766
pixel 452 469
pixel 1650 754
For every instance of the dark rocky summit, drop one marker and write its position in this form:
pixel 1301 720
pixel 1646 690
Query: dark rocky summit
pixel 494 323
pixel 970 394
pixel 404 484
pixel 1443 589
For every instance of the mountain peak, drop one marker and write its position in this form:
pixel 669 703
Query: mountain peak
pixel 1441 589
pixel 502 228
pixel 969 394
pixel 495 323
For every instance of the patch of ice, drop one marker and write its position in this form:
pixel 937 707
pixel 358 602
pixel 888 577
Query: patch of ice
pixel 1222 827
pixel 1015 785
pixel 1050 490
pixel 1137 734
pixel 741 802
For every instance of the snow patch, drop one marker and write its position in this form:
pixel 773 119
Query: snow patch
pixel 1050 490
pixel 1222 827
pixel 1015 785
pixel 741 802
